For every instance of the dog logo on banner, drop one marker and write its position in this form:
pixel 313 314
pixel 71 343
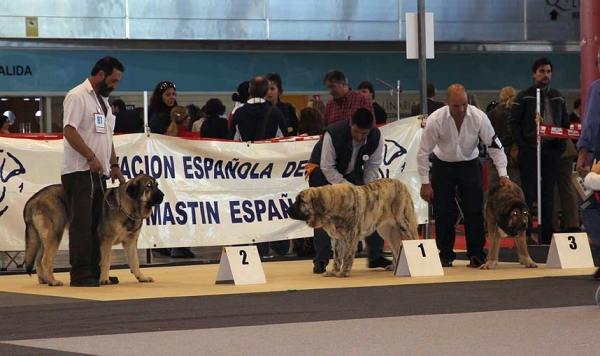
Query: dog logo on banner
pixel 14 168
pixel 392 152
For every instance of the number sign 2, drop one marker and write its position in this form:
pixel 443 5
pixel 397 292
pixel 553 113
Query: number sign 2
pixel 240 265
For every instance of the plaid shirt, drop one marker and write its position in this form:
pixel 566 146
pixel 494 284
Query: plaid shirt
pixel 342 109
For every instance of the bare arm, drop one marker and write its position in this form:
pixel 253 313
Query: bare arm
pixel 75 140
pixel 115 171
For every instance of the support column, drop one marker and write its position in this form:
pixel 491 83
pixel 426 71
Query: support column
pixel 589 28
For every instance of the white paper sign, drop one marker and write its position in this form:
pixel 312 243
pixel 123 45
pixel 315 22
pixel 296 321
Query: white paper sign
pixel 570 250
pixel 240 265
pixel 419 258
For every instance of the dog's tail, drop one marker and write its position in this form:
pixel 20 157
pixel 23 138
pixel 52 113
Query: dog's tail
pixel 32 246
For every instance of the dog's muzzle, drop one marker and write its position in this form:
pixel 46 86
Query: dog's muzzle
pixel 157 197
pixel 294 212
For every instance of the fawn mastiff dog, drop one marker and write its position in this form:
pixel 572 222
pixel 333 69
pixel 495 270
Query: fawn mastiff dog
pixel 349 213
pixel 125 207
pixel 506 212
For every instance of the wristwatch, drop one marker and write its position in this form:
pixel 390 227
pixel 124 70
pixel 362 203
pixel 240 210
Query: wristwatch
pixel 506 176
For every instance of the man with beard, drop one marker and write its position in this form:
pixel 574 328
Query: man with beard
pixel 522 126
pixel 89 157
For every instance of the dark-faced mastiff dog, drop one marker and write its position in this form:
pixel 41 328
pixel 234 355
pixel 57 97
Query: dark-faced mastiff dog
pixel 506 213
pixel 349 213
pixel 125 208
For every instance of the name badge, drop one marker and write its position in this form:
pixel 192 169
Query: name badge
pixel 100 122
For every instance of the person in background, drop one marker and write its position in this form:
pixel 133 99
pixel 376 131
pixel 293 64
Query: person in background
pixel 432 105
pixel 452 134
pixel 311 122
pixel 197 126
pixel 240 97
pixel 589 143
pixel 127 121
pixel 4 124
pixel 89 157
pixel 179 122
pixel 317 104
pixel 214 125
pixel 499 119
pixel 366 89
pixel 575 115
pixel 522 126
pixel 288 110
pixel 163 99
pixel 195 115
pixel 345 101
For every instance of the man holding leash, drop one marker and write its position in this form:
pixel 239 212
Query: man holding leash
pixel 89 156
pixel 452 134
pixel 349 152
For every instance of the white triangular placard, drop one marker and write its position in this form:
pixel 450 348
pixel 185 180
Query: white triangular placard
pixel 419 258
pixel 240 265
pixel 570 250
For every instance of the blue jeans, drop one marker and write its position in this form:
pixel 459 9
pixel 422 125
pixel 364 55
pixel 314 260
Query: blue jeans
pixel 590 216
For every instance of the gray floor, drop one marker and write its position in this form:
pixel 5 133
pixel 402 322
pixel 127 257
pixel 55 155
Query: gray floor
pixel 559 331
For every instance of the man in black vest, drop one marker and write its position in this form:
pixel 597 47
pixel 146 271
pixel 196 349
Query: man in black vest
pixel 349 152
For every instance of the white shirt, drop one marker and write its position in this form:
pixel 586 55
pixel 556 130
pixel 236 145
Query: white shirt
pixel 592 181
pixel 329 160
pixel 80 106
pixel 441 137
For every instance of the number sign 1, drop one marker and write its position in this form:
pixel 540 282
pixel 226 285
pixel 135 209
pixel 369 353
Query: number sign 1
pixel 240 265
pixel 419 258
pixel 570 250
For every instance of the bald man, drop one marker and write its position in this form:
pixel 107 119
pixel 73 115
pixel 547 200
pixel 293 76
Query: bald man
pixel 452 134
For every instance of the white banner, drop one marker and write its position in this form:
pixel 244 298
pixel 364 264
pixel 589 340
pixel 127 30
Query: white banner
pixel 216 192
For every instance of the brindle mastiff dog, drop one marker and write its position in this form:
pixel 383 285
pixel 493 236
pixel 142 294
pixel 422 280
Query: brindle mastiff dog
pixel 506 213
pixel 349 213
pixel 125 207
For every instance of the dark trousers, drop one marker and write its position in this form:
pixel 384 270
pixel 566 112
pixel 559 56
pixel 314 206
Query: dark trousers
pixel 448 178
pixel 550 159
pixel 85 213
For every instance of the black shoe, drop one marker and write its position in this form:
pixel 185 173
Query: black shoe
pixel 113 280
pixel 85 282
pixel 597 274
pixel 476 262
pixel 380 262
pixel 446 262
pixel 319 267
pixel 162 251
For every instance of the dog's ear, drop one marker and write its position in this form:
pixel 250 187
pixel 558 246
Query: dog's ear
pixel 134 190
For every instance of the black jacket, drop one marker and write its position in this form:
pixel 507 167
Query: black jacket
pixel 521 122
pixel 380 114
pixel 128 121
pixel 256 122
pixel 341 137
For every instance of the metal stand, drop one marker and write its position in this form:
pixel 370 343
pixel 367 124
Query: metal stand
pixel 393 90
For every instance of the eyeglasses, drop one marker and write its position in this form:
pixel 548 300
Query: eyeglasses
pixel 166 85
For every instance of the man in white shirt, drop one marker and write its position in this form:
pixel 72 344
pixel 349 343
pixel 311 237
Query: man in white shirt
pixel 89 156
pixel 452 134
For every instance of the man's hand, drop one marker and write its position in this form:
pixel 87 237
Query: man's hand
pixel 505 182
pixel 426 192
pixel 582 168
pixel 538 118
pixel 95 165
pixel 115 173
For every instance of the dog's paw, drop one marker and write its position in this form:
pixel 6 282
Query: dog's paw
pixel 329 274
pixel 144 279
pixel 391 267
pixel 489 265
pixel 528 262
pixel 55 283
pixel 105 282
pixel 343 274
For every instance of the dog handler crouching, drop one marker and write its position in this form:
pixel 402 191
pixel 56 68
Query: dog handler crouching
pixel 452 134
pixel 89 156
pixel 349 152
